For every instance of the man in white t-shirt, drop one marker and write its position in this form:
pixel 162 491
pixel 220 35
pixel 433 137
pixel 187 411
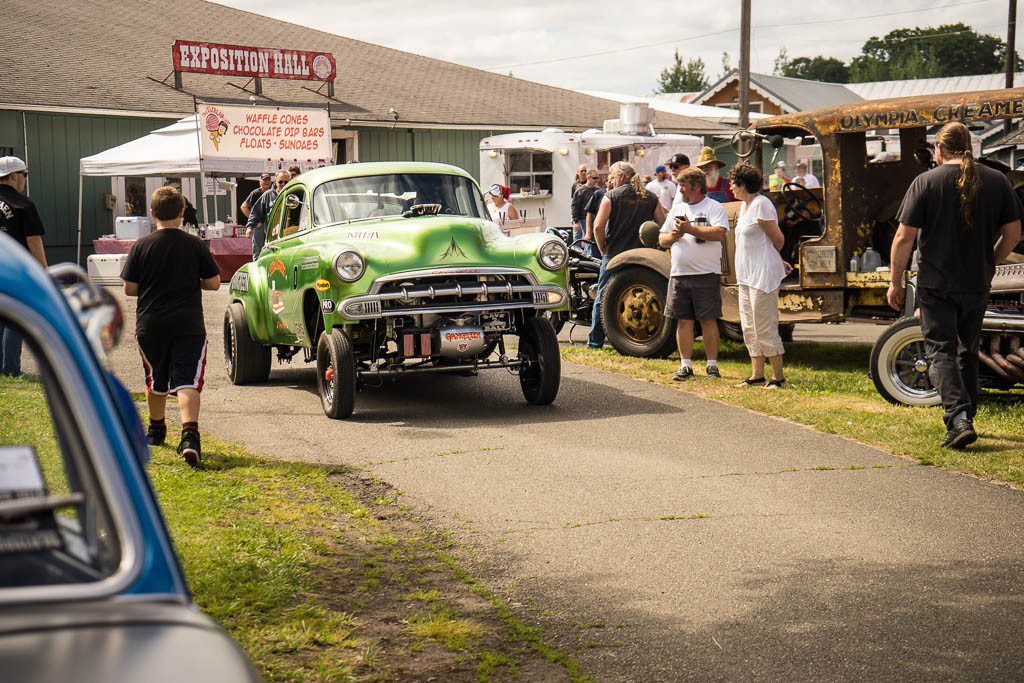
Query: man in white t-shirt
pixel 805 177
pixel 662 187
pixel 695 230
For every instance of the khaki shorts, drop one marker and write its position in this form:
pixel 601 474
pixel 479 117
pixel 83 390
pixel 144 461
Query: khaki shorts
pixel 694 297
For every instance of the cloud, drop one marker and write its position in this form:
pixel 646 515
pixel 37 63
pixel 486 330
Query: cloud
pixel 489 34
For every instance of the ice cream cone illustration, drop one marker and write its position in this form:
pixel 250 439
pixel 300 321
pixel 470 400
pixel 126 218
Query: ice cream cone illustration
pixel 217 127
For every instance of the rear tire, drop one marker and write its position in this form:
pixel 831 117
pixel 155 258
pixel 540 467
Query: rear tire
pixel 246 361
pixel 899 368
pixel 541 375
pixel 731 331
pixel 633 313
pixel 336 375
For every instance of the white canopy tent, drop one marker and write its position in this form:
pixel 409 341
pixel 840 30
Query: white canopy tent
pixel 169 151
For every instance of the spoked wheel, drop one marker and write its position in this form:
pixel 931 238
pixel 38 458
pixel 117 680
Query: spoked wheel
pixel 541 372
pixel 336 375
pixel 899 365
pixel 244 359
pixel 633 313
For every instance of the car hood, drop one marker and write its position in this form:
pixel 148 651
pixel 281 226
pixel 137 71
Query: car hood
pixel 398 244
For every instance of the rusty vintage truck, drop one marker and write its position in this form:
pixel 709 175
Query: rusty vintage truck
pixel 826 227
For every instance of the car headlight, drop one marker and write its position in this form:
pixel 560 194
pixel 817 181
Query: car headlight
pixel 349 266
pixel 552 255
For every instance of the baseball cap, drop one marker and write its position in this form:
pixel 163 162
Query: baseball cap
pixel 265 176
pixel 659 169
pixel 679 160
pixel 781 164
pixel 9 165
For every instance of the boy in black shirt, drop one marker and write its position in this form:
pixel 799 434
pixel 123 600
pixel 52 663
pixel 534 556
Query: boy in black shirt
pixel 167 271
pixel 969 220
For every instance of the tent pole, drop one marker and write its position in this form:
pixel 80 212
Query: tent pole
pixel 78 257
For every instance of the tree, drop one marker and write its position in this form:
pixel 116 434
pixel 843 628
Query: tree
pixel 938 51
pixel 680 77
pixel 726 64
pixel 820 68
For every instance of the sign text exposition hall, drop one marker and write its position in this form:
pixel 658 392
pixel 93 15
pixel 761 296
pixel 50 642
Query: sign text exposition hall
pixel 252 62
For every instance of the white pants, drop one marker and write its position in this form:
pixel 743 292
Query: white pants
pixel 759 317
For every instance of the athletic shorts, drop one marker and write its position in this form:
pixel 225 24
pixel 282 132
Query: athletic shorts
pixel 173 363
pixel 694 297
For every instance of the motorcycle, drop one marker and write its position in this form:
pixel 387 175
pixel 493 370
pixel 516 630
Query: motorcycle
pixel 583 271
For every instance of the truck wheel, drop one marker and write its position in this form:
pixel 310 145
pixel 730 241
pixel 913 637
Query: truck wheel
pixel 633 313
pixel 336 374
pixel 541 374
pixel 731 331
pixel 246 361
pixel 899 367
pixel 786 332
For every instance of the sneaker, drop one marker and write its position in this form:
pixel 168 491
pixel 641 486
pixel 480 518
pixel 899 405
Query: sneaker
pixel 713 372
pixel 156 434
pixel 683 373
pixel 189 447
pixel 960 435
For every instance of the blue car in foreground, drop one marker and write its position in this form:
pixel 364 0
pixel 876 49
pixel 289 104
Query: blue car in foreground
pixel 90 587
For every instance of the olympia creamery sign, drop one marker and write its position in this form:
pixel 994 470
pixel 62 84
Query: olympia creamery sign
pixel 252 62
pixel 246 132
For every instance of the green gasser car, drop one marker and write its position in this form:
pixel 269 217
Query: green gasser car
pixel 380 270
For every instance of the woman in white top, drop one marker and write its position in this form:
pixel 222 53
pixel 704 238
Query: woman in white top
pixel 759 272
pixel 502 210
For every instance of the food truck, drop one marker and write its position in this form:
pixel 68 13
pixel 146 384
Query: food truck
pixel 540 167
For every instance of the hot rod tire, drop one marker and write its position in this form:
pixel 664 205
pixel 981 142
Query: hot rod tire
pixel 541 373
pixel 899 368
pixel 632 310
pixel 336 375
pixel 731 331
pixel 246 361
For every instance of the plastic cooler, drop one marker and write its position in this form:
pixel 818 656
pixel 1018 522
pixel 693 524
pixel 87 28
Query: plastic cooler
pixel 132 227
pixel 105 269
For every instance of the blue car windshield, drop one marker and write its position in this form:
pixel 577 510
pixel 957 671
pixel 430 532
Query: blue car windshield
pixel 349 199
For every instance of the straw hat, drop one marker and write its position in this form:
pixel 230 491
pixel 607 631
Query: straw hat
pixel 706 157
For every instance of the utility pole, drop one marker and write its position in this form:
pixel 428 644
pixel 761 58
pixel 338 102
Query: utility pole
pixel 744 84
pixel 1011 61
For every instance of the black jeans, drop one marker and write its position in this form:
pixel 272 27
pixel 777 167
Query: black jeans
pixel 951 324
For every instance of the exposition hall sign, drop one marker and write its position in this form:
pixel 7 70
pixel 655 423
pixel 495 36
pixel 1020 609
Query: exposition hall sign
pixel 252 62
pixel 247 132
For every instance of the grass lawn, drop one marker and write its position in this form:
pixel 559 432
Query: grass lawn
pixel 316 573
pixel 828 388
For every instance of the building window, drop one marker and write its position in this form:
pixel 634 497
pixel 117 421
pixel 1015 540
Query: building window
pixel 530 172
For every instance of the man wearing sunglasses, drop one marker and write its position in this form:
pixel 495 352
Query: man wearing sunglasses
pixel 20 220
pixel 256 226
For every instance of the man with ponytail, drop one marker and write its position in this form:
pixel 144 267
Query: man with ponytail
pixel 617 228
pixel 968 220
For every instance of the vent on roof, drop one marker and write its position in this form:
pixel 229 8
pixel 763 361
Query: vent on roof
pixel 552 130
pixel 635 118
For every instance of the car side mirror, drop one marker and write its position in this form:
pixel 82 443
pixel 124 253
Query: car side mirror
pixel 776 141
pixel 649 234
pixel 292 201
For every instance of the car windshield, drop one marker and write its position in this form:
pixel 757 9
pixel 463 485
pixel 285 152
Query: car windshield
pixel 349 199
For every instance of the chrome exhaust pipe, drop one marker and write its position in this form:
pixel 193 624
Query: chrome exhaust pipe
pixel 995 322
pixel 993 366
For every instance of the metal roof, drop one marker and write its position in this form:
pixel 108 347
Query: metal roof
pixel 792 94
pixel 878 90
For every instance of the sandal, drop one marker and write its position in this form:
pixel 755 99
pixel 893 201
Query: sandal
pixel 775 383
pixel 750 382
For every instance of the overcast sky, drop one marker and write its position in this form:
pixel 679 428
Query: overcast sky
pixel 489 35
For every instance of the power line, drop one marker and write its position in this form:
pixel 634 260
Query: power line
pixel 730 30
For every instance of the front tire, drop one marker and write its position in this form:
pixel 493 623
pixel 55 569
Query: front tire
pixel 246 361
pixel 336 374
pixel 541 374
pixel 899 367
pixel 633 313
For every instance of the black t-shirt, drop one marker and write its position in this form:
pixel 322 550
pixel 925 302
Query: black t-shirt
pixel 594 203
pixel 580 201
pixel 954 259
pixel 250 201
pixel 18 215
pixel 628 212
pixel 168 265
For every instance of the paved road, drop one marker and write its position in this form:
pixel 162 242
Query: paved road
pixel 892 571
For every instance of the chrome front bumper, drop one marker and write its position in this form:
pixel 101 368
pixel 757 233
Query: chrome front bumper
pixel 471 297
